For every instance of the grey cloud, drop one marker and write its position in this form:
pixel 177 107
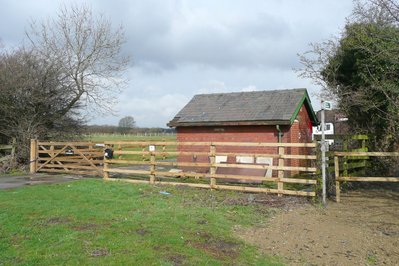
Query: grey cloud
pixel 181 48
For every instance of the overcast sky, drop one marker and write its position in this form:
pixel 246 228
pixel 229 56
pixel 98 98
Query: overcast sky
pixel 183 48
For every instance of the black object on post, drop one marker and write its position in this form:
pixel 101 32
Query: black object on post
pixel 108 153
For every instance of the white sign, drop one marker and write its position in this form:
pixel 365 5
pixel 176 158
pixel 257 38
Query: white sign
pixel 326 105
pixel 151 148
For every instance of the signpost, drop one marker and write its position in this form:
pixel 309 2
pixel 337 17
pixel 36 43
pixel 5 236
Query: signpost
pixel 325 105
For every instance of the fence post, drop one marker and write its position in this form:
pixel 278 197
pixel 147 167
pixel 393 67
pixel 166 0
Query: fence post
pixel 152 168
pixel 280 185
pixel 14 144
pixel 345 162
pixel 105 168
pixel 337 185
pixel 33 156
pixel 212 159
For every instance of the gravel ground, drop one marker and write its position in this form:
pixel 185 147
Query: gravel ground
pixel 361 230
pixel 36 179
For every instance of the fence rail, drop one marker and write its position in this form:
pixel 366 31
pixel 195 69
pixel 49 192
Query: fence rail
pixel 195 164
pixel 344 178
pixel 149 159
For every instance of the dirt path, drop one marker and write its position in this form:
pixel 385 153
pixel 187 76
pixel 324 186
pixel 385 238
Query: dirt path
pixel 36 179
pixel 362 230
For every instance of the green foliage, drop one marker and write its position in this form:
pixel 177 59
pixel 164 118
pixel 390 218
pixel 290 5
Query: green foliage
pixel 365 74
pixel 92 222
pixel 360 70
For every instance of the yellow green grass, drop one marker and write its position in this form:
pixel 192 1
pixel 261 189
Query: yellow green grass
pixel 129 137
pixel 135 137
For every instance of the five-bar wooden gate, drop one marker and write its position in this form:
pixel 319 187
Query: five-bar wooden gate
pixel 67 157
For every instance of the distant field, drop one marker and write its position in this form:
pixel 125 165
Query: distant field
pixel 134 137
pixel 129 137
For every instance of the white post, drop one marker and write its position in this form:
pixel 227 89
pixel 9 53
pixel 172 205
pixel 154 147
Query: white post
pixel 323 155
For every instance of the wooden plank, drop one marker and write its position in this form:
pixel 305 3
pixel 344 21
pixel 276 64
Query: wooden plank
pixel 369 179
pixel 273 167
pixel 167 153
pixel 76 172
pixel 298 181
pixel 225 187
pixel 127 171
pixel 299 193
pixel 266 190
pixel 71 166
pixel 248 166
pixel 64 143
pixel 375 154
pixel 85 153
pixel 134 181
pixel 248 189
pixel 238 144
pixel 63 159
pixel 239 177
pixel 337 177
pixel 245 166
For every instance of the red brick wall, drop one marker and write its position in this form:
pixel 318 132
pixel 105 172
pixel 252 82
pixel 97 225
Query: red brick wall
pixel 227 134
pixel 299 131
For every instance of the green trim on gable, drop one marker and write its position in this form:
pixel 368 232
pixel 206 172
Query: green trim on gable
pixel 305 100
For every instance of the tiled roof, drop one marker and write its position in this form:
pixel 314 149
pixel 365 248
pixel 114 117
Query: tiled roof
pixel 265 107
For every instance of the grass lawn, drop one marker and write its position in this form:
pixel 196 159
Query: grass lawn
pixel 92 222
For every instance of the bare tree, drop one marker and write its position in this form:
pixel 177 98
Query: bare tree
pixel 32 102
pixel 126 124
pixel 88 52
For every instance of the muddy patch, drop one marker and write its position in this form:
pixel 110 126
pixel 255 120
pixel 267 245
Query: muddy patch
pixel 85 227
pixel 215 247
pixel 268 200
pixel 176 259
pixel 8 182
pixel 55 221
pixel 362 230
pixel 142 231
pixel 99 252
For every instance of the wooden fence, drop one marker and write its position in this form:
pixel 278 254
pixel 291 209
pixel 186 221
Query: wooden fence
pixel 66 157
pixel 8 151
pixel 146 162
pixel 347 143
pixel 345 178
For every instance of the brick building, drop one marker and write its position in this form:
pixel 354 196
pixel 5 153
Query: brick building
pixel 259 116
